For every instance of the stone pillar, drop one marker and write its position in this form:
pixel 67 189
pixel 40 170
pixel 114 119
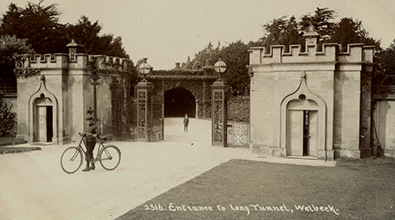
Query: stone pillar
pixel 219 114
pixel 366 147
pixel 144 111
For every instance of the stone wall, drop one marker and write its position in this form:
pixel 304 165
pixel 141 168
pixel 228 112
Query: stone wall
pixel 384 130
pixel 383 120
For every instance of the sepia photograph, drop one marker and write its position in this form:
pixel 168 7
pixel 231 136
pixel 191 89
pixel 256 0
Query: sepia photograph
pixel 191 110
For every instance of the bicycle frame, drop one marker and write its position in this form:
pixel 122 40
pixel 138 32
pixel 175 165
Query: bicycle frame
pixel 101 146
pixel 109 156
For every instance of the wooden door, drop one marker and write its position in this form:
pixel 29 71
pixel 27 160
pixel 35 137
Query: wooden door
pixel 295 133
pixel 313 137
pixel 42 124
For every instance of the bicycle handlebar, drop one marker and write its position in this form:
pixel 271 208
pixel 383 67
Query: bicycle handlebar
pixel 101 138
pixel 84 134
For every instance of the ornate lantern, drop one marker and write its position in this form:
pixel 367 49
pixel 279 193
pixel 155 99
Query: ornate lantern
pixel 220 68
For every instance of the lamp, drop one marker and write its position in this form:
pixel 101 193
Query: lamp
pixel 220 68
pixel 144 68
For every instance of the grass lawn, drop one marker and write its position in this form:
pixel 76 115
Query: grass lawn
pixel 241 189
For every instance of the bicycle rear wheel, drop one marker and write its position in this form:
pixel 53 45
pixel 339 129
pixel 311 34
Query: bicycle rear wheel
pixel 110 157
pixel 71 160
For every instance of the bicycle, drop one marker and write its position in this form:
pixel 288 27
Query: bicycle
pixel 72 158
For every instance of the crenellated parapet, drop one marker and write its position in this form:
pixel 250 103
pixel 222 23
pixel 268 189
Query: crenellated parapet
pixel 357 53
pixel 73 60
pixel 110 63
pixel 328 52
pixel 43 61
pixel 80 61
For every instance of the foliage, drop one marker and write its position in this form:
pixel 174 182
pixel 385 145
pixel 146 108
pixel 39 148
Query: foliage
pixel 281 31
pixel 322 20
pixel 385 68
pixel 239 108
pixel 12 51
pixel 40 25
pixel 36 23
pixel 7 120
pixel 349 31
pixel 235 55
pixel 87 33
pixel 206 56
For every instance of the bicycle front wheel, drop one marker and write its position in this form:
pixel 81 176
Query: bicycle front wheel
pixel 71 160
pixel 110 157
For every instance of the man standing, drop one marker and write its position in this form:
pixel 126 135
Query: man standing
pixel 91 135
pixel 186 122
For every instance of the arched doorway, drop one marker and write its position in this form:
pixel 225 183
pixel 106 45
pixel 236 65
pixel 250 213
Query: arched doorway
pixel 302 128
pixel 43 116
pixel 303 123
pixel 178 102
pixel 43 119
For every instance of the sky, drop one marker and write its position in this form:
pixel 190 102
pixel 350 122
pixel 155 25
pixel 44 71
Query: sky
pixel 169 31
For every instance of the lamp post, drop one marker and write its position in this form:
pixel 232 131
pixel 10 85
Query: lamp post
pixel 95 77
pixel 220 68
pixel 219 107
pixel 144 69
pixel 144 108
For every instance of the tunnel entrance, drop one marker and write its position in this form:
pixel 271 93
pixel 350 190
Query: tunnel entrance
pixel 178 102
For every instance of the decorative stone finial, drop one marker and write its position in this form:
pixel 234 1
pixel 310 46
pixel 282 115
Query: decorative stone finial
pixel 303 75
pixel 311 36
pixel 73 46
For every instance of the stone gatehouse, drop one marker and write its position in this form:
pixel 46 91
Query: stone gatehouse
pixel 311 103
pixel 52 106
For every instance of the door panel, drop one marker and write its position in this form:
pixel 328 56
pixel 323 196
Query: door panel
pixel 313 138
pixel 295 133
pixel 42 123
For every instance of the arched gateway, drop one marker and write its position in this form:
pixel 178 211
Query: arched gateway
pixel 174 93
pixel 178 102
pixel 183 91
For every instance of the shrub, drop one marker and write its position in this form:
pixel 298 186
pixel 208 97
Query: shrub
pixel 7 120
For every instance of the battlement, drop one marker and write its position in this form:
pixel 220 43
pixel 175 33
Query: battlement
pixel 330 52
pixel 109 62
pixel 78 61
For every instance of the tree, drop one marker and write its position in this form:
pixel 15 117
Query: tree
pixel 12 50
pixel 207 54
pixel 36 23
pixel 40 26
pixel 281 31
pixel 384 73
pixel 235 55
pixel 322 20
pixel 348 31
pixel 87 33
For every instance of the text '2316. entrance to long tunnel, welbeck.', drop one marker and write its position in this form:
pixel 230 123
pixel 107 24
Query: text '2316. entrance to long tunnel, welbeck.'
pixel 178 102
